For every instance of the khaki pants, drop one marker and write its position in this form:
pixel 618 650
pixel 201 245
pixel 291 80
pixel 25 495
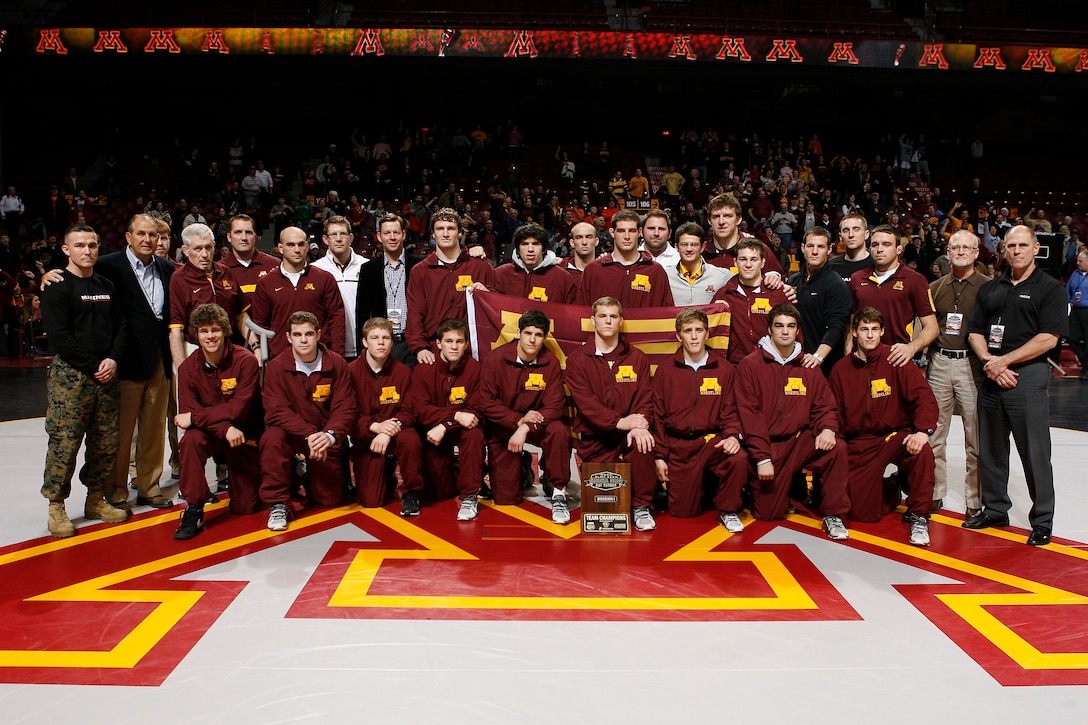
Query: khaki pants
pixel 955 384
pixel 144 401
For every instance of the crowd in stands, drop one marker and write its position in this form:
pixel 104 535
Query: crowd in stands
pixel 497 181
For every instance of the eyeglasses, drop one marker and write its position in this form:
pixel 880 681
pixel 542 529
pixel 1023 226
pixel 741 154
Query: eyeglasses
pixel 961 248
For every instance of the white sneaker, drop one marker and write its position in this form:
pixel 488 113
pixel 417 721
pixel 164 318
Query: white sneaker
pixel 835 528
pixel 731 522
pixel 277 517
pixel 644 520
pixel 560 512
pixel 919 531
pixel 469 509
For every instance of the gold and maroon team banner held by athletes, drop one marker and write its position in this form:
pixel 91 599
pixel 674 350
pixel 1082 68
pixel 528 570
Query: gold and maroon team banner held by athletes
pixel 493 321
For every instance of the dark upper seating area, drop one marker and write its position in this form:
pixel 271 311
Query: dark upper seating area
pixel 1056 23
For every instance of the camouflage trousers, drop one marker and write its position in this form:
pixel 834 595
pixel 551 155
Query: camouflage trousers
pixel 78 406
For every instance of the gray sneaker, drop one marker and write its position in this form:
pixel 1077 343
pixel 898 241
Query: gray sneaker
pixel 919 531
pixel 469 509
pixel 560 512
pixel 644 520
pixel 277 517
pixel 731 522
pixel 835 528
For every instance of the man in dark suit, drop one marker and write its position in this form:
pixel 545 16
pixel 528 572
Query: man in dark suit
pixel 142 284
pixel 383 286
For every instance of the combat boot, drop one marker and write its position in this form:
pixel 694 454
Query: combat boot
pixel 59 523
pixel 101 509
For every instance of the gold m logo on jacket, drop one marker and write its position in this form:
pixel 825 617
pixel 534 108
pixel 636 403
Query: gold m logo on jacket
pixel 322 392
pixel 389 395
pixel 464 281
pixel 641 282
pixel 879 388
pixel 227 385
pixel 795 386
pixel 535 381
pixel 762 305
pixel 626 374
pixel 710 386
pixel 458 395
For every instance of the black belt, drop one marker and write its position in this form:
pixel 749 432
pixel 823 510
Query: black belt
pixel 954 354
pixel 398 337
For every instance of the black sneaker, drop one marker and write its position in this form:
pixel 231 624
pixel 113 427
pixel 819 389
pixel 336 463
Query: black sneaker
pixel 485 493
pixel 222 486
pixel 409 504
pixel 192 521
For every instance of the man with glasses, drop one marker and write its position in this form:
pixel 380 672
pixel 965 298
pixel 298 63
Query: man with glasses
pixel 954 371
pixel 692 280
pixel 1077 290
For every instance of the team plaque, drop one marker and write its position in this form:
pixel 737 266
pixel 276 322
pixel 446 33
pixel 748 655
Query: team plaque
pixel 606 498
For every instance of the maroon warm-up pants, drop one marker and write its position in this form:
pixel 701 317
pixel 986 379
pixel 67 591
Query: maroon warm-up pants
pixel 440 481
pixel 869 456
pixel 325 484
pixel 243 464
pixel 506 466
pixel 688 460
pixel 371 480
pixel 789 457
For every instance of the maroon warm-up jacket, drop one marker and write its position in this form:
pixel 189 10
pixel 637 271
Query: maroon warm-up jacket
pixel 690 403
pixel 876 397
pixel 608 387
pixel 302 404
pixel 542 284
pixel 438 392
pixel 436 292
pixel 380 395
pixel 222 396
pixel 778 401
pixel 748 310
pixel 509 389
pixel 642 284
pixel 276 299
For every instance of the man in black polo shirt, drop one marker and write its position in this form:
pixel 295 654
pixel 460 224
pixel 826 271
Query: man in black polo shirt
pixel 1017 319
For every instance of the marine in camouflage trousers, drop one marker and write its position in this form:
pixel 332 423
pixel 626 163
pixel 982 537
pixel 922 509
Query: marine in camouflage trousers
pixel 78 406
